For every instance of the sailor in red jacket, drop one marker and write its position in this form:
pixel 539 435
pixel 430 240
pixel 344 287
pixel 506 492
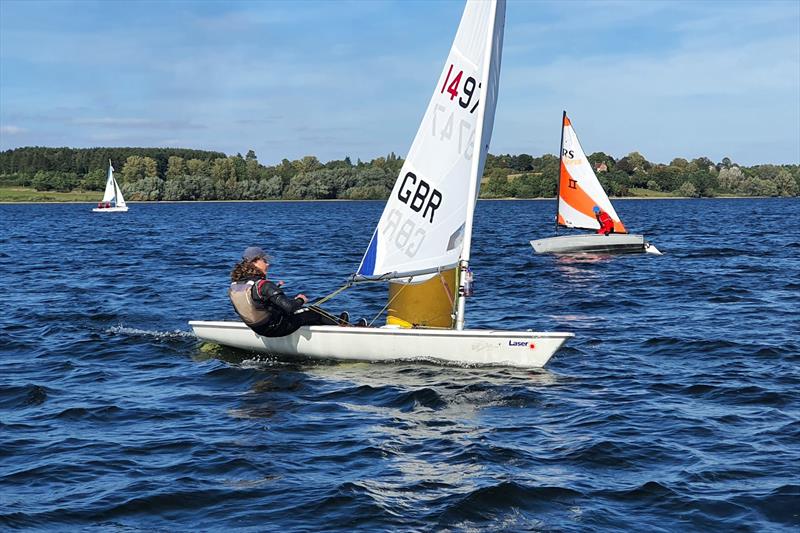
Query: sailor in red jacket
pixel 605 220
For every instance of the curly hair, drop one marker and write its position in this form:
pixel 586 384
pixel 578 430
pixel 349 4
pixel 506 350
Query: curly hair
pixel 245 269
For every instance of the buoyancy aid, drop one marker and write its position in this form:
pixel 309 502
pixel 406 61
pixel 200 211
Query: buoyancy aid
pixel 253 313
pixel 606 223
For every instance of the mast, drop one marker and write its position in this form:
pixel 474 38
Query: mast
pixel 463 264
pixel 560 156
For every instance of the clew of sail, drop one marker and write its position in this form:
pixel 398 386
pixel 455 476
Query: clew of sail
pixel 579 190
pixel 423 228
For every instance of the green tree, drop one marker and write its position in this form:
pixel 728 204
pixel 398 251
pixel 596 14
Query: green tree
pixel 600 157
pixel 633 162
pixel 176 166
pixel 497 184
pixel 687 189
pixel 704 163
pixel 223 169
pixel 731 179
pixel 138 167
pixel 253 170
pixel 366 192
pixel 521 163
pixel 785 183
pixel 41 181
pixel 94 180
pixel 196 167
pixel 705 182
pixel 668 177
pixel 308 164
pixel 679 162
pixel 272 187
pixel 239 166
pixel 150 188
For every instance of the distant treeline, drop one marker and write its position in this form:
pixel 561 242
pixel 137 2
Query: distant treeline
pixel 181 174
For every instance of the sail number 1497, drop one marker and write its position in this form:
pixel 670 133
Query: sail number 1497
pixel 468 88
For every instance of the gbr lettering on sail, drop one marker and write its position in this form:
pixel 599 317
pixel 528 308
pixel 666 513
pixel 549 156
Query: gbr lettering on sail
pixel 451 130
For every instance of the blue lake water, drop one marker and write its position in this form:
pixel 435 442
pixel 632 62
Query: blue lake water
pixel 676 407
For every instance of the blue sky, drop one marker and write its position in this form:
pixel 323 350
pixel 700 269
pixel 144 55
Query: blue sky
pixel 334 79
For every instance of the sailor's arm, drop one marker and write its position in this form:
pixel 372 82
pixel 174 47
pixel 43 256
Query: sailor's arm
pixel 269 292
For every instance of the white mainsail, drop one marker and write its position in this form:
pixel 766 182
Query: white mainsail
pixel 426 224
pixel 113 194
pixel 111 185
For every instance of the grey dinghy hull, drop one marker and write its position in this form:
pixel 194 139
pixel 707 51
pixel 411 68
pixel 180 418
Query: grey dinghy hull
pixel 592 243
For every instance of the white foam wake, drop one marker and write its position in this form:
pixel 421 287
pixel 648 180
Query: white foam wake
pixel 134 332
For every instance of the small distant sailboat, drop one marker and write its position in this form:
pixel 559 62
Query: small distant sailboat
pixel 113 201
pixel 422 243
pixel 580 196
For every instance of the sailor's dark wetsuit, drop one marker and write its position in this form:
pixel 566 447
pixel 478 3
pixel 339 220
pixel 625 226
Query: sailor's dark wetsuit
pixel 264 307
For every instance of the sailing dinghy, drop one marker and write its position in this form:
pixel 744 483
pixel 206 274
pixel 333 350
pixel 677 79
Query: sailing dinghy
pixel 113 201
pixel 579 192
pixel 421 245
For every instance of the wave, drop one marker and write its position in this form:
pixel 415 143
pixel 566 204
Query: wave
pixel 159 335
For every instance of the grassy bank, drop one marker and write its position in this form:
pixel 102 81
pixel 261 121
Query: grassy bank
pixel 25 194
pixel 647 193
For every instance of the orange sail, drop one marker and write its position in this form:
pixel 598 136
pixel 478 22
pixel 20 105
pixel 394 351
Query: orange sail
pixel 579 190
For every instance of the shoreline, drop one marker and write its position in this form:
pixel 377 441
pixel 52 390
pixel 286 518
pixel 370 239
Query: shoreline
pixel 83 202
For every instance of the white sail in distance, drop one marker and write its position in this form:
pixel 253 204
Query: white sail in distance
pixel 422 228
pixel 111 186
pixel 113 193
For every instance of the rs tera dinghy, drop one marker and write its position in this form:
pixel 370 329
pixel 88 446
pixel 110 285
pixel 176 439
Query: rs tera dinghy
pixel 422 243
pixel 579 194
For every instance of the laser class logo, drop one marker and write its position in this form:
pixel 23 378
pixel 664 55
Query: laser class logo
pixel 521 344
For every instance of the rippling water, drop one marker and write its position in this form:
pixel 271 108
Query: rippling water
pixel 675 407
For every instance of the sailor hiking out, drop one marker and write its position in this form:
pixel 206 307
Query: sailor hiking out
pixel 262 304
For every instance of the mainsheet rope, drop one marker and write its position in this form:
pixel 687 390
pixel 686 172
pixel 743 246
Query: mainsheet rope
pixel 315 306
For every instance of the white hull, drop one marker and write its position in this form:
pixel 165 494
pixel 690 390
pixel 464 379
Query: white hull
pixel 110 209
pixel 485 347
pixel 593 243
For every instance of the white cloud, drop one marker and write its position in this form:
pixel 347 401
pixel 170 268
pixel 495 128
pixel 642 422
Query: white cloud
pixel 138 123
pixel 12 130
